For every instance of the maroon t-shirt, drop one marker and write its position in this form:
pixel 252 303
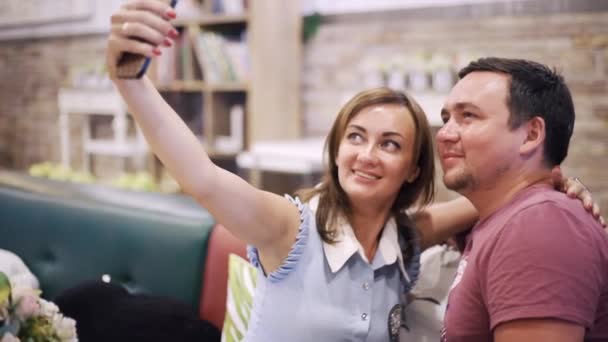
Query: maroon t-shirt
pixel 540 256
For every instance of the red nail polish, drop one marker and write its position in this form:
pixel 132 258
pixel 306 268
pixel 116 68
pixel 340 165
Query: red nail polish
pixel 171 13
pixel 167 42
pixel 156 51
pixel 173 33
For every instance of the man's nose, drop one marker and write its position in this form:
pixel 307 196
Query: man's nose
pixel 448 132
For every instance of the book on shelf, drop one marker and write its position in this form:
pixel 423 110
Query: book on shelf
pixel 175 63
pixel 223 59
pixel 232 143
pixel 238 54
pixel 186 65
pixel 202 49
pixel 164 69
pixel 188 9
pixel 229 7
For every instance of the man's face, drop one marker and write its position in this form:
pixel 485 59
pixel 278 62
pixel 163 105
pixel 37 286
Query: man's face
pixel 475 144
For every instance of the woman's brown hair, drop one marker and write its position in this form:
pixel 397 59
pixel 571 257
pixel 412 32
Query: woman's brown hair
pixel 333 201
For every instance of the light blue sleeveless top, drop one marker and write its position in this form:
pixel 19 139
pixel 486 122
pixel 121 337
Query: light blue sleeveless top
pixel 305 301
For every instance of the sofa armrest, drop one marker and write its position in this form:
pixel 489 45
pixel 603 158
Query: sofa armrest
pixel 215 277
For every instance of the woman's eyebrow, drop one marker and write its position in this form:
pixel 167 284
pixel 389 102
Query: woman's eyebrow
pixel 391 133
pixel 384 134
pixel 357 127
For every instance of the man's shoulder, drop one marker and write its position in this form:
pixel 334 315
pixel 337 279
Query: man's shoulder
pixel 539 212
pixel 532 201
pixel 538 194
pixel 547 204
pixel 545 215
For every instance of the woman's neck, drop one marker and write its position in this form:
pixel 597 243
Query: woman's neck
pixel 367 225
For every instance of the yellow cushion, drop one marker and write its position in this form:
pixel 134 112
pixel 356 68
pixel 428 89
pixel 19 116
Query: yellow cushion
pixel 242 277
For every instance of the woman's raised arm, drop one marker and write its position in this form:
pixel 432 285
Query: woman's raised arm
pixel 261 218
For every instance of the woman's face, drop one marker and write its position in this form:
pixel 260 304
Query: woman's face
pixel 375 154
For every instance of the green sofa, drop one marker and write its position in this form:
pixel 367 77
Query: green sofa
pixel 151 243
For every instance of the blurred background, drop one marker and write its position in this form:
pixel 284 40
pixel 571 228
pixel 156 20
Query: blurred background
pixel 260 81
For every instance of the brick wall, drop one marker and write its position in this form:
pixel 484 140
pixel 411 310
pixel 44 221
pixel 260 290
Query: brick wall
pixel 576 43
pixel 32 71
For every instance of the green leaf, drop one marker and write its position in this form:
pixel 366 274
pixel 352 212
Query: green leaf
pixel 5 289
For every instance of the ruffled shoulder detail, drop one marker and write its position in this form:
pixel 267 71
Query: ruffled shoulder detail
pixel 295 254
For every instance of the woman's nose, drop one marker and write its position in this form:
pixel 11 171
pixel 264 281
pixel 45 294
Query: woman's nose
pixel 367 154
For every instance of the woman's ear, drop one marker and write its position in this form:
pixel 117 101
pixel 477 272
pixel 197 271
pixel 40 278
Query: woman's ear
pixel 534 135
pixel 412 177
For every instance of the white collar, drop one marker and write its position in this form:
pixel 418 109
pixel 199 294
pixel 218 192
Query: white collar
pixel 347 244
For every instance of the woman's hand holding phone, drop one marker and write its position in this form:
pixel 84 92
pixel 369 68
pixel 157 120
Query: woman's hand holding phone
pixel 138 30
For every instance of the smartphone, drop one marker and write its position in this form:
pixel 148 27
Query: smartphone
pixel 131 65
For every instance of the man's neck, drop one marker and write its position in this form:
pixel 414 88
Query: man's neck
pixel 489 198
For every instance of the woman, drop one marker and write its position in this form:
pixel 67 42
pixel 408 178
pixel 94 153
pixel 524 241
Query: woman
pixel 347 268
pixel 334 266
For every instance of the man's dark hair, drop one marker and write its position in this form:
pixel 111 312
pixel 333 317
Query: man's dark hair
pixel 535 90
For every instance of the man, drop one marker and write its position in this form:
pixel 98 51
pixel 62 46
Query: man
pixel 535 266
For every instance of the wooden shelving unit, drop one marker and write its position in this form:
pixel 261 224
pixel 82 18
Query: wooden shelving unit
pixel 205 68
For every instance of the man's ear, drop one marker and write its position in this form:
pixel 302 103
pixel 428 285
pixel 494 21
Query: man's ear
pixel 412 177
pixel 535 135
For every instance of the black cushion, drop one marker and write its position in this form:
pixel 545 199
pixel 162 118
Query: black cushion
pixel 108 312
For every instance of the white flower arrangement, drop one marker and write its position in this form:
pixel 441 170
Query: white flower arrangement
pixel 24 316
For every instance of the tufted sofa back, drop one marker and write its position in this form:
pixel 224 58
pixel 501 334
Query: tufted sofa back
pixel 68 234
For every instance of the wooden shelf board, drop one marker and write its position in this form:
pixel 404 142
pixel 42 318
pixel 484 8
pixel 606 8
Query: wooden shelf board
pixel 214 153
pixel 227 87
pixel 221 155
pixel 213 20
pixel 191 86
